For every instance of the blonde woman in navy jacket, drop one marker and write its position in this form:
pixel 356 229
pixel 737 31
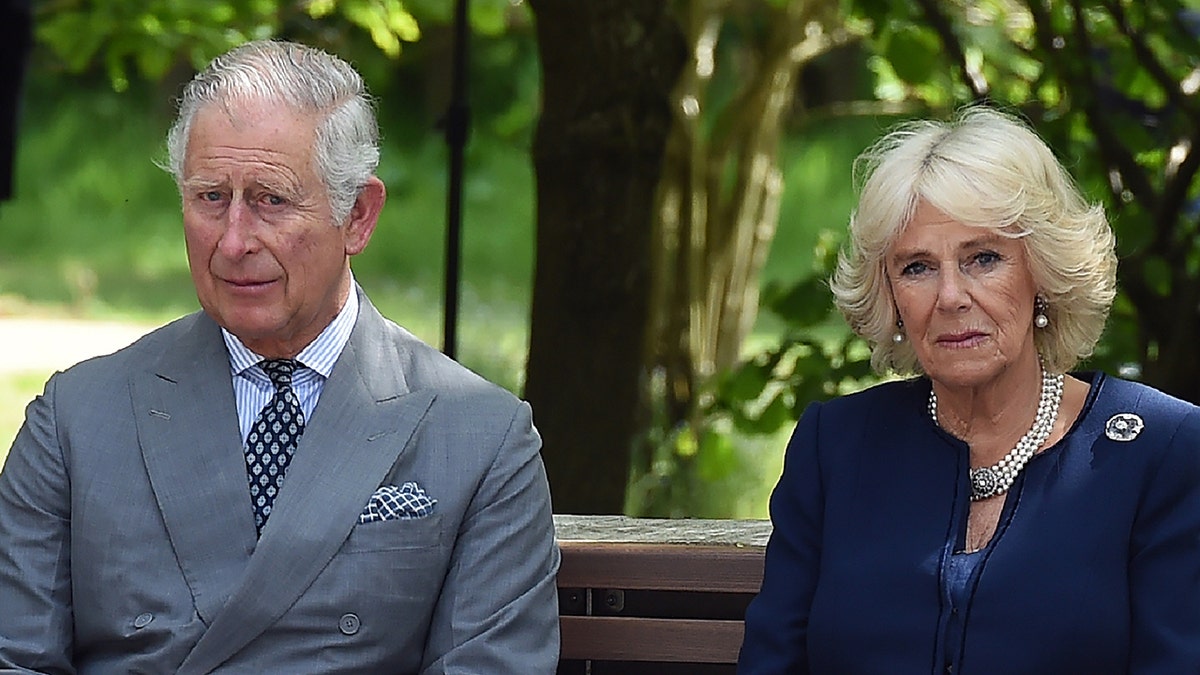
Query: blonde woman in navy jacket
pixel 997 513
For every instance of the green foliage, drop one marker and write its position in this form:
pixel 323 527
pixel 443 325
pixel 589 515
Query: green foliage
pixel 912 51
pixel 723 474
pixel 487 17
pixel 149 38
pixel 386 20
pixel 129 40
pixel 1110 84
pixel 799 352
pixel 816 360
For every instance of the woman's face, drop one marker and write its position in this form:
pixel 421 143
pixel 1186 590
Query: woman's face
pixel 965 295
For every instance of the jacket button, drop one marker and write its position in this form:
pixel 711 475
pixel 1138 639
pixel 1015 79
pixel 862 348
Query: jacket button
pixel 143 620
pixel 349 624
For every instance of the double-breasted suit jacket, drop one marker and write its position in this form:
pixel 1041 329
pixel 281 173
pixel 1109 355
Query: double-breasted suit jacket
pixel 127 540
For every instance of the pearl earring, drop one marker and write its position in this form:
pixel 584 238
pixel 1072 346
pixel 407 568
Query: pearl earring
pixel 898 336
pixel 1040 307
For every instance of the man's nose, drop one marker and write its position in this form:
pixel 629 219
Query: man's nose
pixel 238 238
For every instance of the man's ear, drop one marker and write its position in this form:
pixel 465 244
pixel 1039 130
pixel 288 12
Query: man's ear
pixel 364 215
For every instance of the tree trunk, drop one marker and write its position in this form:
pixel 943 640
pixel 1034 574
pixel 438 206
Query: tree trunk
pixel 607 67
pixel 719 202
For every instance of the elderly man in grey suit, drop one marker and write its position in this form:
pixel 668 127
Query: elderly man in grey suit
pixel 285 481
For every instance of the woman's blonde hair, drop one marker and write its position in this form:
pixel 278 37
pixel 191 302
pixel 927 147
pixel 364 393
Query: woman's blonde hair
pixel 983 168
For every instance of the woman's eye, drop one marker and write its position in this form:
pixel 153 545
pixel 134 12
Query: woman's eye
pixel 987 258
pixel 913 269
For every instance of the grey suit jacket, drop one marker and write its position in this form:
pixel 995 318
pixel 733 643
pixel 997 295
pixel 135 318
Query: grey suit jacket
pixel 127 538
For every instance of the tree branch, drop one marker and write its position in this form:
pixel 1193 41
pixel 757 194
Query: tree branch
pixel 1175 194
pixel 945 30
pixel 1114 153
pixel 1147 58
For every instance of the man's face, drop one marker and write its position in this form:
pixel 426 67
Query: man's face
pixel 268 261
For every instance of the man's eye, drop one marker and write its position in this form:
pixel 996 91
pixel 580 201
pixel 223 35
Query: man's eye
pixel 273 200
pixel 210 196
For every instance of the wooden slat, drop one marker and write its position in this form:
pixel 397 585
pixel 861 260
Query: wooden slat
pixel 626 530
pixel 664 567
pixel 605 638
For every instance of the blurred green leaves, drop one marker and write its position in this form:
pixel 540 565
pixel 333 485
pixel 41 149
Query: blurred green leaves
pixel 129 38
pixel 817 358
pixel 1111 85
pixel 386 20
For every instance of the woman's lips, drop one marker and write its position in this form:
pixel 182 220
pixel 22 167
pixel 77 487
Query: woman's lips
pixel 964 339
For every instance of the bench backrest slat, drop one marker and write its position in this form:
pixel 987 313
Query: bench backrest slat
pixel 674 589
pixel 618 638
pixel 662 567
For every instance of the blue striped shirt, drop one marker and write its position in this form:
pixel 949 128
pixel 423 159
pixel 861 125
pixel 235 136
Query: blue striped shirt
pixel 251 386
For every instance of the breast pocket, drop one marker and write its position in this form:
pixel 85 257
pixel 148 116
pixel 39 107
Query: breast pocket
pixel 395 535
pixel 388 575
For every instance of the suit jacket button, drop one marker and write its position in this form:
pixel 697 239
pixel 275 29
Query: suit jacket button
pixel 348 624
pixel 143 620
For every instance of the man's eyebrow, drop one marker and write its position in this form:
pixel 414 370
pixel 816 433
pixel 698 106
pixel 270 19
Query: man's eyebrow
pixel 280 187
pixel 196 183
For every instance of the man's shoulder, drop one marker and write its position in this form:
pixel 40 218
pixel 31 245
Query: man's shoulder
pixel 138 353
pixel 426 367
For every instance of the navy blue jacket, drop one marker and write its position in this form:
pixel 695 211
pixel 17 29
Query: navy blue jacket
pixel 1094 567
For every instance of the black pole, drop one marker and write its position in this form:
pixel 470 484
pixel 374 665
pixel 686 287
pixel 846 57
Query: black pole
pixel 457 125
pixel 16 40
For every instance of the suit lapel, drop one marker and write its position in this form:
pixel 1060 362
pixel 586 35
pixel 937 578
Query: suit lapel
pixel 187 427
pixel 365 417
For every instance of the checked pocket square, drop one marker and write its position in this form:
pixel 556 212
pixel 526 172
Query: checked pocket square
pixel 391 503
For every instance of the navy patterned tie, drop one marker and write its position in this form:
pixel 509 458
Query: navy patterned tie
pixel 273 439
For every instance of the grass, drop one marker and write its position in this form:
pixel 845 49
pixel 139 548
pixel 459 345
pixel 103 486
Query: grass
pixel 15 392
pixel 94 233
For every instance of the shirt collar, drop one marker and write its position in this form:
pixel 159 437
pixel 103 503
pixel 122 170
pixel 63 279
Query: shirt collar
pixel 319 355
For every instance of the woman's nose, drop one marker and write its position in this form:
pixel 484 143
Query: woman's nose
pixel 953 294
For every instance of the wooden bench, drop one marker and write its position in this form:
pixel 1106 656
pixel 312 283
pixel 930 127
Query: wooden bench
pixel 655 596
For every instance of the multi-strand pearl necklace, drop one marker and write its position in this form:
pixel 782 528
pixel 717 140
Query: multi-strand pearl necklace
pixel 989 481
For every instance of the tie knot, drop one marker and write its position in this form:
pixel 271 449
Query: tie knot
pixel 280 371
